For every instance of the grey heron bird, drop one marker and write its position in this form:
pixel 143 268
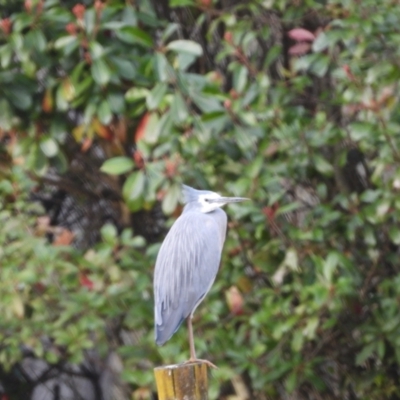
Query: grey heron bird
pixel 188 262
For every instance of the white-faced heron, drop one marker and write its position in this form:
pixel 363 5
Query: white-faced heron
pixel 188 262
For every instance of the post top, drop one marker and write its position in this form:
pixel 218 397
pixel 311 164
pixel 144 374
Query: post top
pixel 182 365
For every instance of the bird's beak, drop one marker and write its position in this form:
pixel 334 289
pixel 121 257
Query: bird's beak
pixel 226 200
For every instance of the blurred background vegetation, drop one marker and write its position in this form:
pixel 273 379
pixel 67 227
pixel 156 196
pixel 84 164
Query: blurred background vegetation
pixel 108 106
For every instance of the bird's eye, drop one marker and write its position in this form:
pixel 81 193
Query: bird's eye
pixel 207 200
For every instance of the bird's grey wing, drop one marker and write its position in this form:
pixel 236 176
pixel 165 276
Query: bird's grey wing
pixel 186 267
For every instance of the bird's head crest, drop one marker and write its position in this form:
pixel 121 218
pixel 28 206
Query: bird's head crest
pixel 189 194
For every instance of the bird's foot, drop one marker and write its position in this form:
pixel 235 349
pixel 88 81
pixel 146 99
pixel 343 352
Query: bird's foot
pixel 196 360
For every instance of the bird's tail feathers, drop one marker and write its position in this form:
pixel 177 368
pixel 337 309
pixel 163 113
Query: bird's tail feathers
pixel 164 331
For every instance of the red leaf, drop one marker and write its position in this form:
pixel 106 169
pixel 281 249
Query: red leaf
pixel 71 28
pixel 299 49
pixel 47 102
pixel 5 25
pixel 79 10
pixel 98 5
pixel 86 282
pixel 205 3
pixel 235 251
pixel 39 287
pixel 301 35
pixel 28 5
pixel 270 212
pixel 64 238
pixel 348 72
pixel 138 158
pixel 86 144
pixel 102 130
pixel 170 168
pixel 119 128
pixel 228 104
pixel 161 194
pixel 141 129
pixel 228 37
pixel 234 300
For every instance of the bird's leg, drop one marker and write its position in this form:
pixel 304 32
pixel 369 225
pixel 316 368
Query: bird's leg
pixel 193 357
pixel 191 338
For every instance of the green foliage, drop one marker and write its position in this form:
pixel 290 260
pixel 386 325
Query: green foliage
pixel 53 291
pixel 117 165
pixel 238 109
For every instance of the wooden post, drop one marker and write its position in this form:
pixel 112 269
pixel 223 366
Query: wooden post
pixel 182 382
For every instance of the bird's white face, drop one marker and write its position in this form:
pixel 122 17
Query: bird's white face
pixel 208 203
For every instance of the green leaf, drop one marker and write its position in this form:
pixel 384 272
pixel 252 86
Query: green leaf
pixel 164 70
pixel 170 200
pixel 185 46
pixel 169 30
pixel 104 112
pixel 365 353
pixel 380 347
pixel 182 3
pixel 218 120
pixel 288 208
pixel 90 20
pixel 20 97
pixel 109 233
pixel 371 195
pixel 116 102
pixel 138 241
pixel 320 43
pixel 96 50
pixel 154 98
pixel 64 41
pixel 136 93
pixel 248 118
pixel 100 71
pixel 311 327
pixel 297 340
pixel 184 61
pixel 305 62
pixel 134 35
pixel 273 53
pixel 49 147
pixel 291 259
pixel 383 208
pixel 291 381
pixel 60 162
pixel 322 166
pixel 207 104
pixel 179 112
pixel 130 15
pixel 37 160
pixel 61 101
pixel 330 265
pixel 328 39
pixel 82 88
pixel 394 234
pixel 240 78
pixel 134 186
pixel 6 188
pixel 37 39
pixel 321 65
pixel 125 68
pixel 117 165
pixel 361 130
pixel 153 129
